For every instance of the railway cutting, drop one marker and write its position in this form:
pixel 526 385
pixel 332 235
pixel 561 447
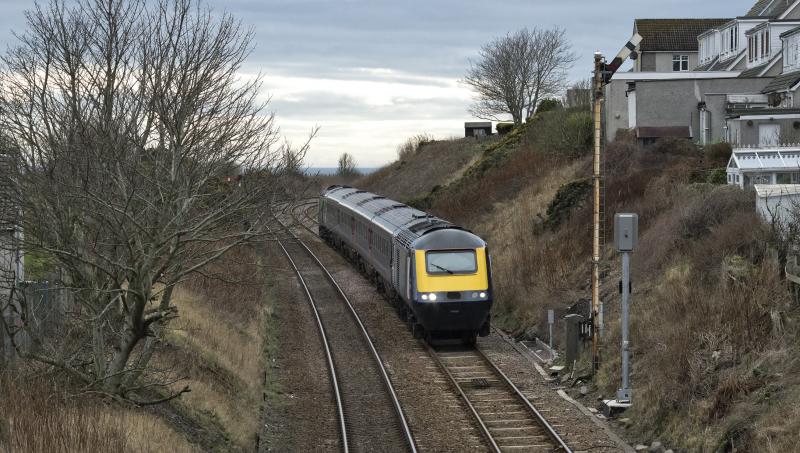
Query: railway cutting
pixel 371 418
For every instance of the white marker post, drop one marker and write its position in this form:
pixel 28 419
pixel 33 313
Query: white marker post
pixel 551 319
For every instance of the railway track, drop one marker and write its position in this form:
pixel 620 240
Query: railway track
pixel 508 421
pixel 304 214
pixel 370 415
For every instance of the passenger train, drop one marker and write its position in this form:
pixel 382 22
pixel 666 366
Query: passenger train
pixel 438 275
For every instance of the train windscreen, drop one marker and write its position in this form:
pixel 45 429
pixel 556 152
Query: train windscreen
pixel 451 262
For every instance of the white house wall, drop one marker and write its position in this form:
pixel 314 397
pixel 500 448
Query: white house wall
pixel 717 41
pixel 775 42
pixel 791 54
pixel 709 46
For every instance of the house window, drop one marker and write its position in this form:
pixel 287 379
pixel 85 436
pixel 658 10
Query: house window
pixel 756 55
pixel 680 63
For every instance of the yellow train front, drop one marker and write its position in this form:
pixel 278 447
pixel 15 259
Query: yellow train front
pixel 437 274
pixel 450 284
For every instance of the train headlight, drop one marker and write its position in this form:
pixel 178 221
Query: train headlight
pixel 424 297
pixel 432 297
pixel 474 295
pixel 483 295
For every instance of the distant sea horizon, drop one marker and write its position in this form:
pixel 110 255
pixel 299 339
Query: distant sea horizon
pixel 332 170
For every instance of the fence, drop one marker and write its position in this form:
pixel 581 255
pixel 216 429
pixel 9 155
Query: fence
pixel 38 310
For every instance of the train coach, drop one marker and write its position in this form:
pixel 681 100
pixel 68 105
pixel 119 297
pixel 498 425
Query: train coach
pixel 438 275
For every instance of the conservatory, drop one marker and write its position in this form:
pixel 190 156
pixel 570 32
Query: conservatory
pixel 764 165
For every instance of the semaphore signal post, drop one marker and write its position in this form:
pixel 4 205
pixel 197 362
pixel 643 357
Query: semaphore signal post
pixel 602 76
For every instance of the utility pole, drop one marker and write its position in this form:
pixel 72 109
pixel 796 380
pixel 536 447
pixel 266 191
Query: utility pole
pixel 602 76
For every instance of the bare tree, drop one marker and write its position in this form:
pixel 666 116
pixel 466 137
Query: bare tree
pixel 512 73
pixel 347 166
pixel 142 157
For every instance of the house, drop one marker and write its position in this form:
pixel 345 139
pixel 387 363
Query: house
pixel 578 97
pixel 772 116
pixel 750 166
pixel 761 49
pixel 477 129
pixel 750 41
pixel 670 45
pixel 653 104
pixel 11 257
pixel 11 260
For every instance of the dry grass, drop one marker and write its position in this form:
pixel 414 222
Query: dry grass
pixel 716 355
pixel 415 175
pixel 217 343
pixel 36 419
pixel 221 341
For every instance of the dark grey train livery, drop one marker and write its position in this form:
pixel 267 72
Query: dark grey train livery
pixel 438 273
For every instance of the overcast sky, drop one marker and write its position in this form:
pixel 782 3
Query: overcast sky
pixel 372 73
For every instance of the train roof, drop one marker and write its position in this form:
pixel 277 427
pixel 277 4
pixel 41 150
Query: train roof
pixel 395 217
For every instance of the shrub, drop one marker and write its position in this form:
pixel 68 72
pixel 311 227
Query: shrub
pixel 710 209
pixel 718 152
pixel 563 132
pixel 678 146
pixel 38 265
pixel 504 128
pixel 547 105
pixel 580 131
pixel 718 176
pixel 412 145
pixel 568 197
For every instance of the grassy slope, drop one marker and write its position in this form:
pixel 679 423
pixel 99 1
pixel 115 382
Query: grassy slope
pixel 715 347
pixel 414 176
pixel 217 348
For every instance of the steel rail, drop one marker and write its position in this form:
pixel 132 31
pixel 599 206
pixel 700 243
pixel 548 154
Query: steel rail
pixel 365 334
pixel 484 429
pixel 328 356
pixel 303 204
pixel 542 421
pixel 554 437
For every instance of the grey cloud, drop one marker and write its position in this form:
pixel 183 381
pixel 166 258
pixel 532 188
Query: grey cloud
pixel 318 105
pixel 430 38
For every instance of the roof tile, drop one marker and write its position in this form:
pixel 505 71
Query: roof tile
pixel 673 34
